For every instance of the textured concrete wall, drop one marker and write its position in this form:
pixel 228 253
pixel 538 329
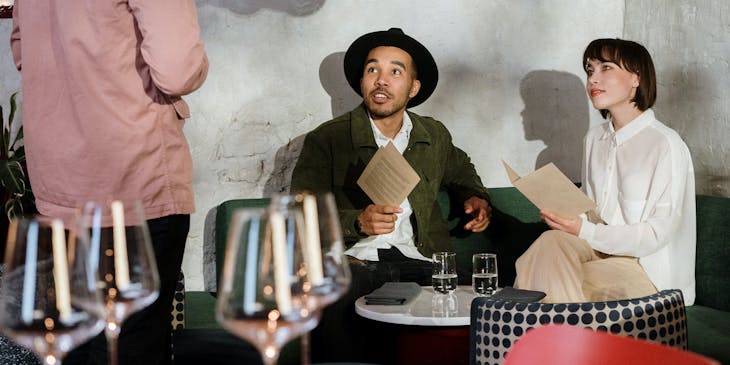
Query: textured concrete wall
pixel 690 44
pixel 511 83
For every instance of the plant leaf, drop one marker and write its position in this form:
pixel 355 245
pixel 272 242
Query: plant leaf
pixel 13 107
pixel 11 117
pixel 13 208
pixel 19 154
pixel 12 177
pixel 18 138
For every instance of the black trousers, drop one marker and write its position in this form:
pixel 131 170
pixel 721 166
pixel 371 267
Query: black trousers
pixel 344 336
pixel 146 336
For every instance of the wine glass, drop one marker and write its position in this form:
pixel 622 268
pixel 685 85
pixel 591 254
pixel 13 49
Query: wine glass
pixel 325 254
pixel 121 254
pixel 319 225
pixel 264 295
pixel 48 299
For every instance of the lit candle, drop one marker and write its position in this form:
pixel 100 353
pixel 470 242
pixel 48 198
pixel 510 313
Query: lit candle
pixel 121 263
pixel 312 245
pixel 282 290
pixel 60 270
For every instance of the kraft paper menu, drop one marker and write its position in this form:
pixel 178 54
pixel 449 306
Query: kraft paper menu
pixel 388 178
pixel 548 188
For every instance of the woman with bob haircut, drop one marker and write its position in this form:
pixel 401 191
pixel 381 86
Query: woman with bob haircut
pixel 641 236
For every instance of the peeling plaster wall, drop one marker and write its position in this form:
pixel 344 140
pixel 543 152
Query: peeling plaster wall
pixel 511 83
pixel 690 44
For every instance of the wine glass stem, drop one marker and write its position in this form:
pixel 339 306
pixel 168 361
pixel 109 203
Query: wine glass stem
pixel 112 342
pixel 270 356
pixel 51 360
pixel 304 349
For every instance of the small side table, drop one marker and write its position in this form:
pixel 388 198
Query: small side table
pixel 428 335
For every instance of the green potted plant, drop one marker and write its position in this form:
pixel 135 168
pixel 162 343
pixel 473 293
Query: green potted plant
pixel 17 197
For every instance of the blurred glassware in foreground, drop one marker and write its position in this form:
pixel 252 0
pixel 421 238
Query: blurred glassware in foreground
pixel 318 222
pixel 121 255
pixel 48 299
pixel 265 294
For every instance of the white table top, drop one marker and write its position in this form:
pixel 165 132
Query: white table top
pixel 424 309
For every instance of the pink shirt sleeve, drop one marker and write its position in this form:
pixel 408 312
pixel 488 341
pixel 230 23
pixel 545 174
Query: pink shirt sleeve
pixel 175 55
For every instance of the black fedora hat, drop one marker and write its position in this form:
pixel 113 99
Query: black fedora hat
pixel 354 62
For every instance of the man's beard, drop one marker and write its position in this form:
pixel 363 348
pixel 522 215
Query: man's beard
pixel 380 111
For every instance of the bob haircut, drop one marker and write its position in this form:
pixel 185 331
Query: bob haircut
pixel 632 57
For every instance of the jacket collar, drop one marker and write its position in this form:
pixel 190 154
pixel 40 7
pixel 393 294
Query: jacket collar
pixel 419 134
pixel 362 134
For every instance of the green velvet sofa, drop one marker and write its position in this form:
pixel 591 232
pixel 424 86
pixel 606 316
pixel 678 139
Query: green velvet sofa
pixel 514 226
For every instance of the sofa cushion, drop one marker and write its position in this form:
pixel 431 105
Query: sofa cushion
pixel 514 226
pixel 224 215
pixel 200 310
pixel 708 331
pixel 712 272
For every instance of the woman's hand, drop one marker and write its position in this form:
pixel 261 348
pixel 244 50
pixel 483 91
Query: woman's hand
pixel 554 221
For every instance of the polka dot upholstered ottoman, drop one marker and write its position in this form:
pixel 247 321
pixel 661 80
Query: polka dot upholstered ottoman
pixel 177 314
pixel 496 324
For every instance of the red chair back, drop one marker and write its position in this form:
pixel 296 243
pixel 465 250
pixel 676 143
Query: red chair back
pixel 564 344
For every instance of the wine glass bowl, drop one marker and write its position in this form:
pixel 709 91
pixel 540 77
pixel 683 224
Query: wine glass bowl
pixel 48 298
pixel 265 294
pixel 122 257
pixel 322 238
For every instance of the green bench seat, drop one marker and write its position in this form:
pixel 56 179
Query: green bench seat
pixel 515 225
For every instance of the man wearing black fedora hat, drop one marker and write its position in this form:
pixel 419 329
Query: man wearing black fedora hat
pixel 392 72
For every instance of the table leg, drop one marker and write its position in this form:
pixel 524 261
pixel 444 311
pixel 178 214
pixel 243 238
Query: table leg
pixel 433 345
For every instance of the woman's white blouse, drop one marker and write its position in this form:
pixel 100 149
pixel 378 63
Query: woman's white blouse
pixel 642 179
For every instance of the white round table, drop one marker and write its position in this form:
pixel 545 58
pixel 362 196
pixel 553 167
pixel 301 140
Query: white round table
pixel 420 311
pixel 427 335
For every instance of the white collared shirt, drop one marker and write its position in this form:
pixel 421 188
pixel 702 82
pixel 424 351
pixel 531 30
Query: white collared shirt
pixel 402 236
pixel 642 179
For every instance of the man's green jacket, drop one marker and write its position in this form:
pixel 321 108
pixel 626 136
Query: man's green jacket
pixel 335 154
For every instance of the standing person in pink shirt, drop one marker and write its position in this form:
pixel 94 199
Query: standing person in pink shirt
pixel 103 117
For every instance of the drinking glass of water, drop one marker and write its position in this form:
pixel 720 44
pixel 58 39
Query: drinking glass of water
pixel 484 278
pixel 444 276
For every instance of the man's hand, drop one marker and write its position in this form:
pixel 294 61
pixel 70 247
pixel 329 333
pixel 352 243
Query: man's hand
pixel 554 221
pixel 378 219
pixel 481 211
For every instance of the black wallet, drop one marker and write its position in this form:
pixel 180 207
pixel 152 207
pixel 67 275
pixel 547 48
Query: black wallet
pixel 518 295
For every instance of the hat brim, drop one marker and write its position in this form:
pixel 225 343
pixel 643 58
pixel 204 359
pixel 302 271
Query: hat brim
pixel 427 70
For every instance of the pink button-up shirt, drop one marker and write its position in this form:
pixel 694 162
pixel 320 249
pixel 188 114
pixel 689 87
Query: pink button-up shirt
pixel 102 112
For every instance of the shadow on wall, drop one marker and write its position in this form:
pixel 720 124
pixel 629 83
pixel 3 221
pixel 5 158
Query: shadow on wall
pixel 556 112
pixel 293 7
pixel 284 161
pixel 343 99
pixel 332 77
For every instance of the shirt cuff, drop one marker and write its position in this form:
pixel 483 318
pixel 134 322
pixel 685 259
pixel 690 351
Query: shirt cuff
pixel 587 229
